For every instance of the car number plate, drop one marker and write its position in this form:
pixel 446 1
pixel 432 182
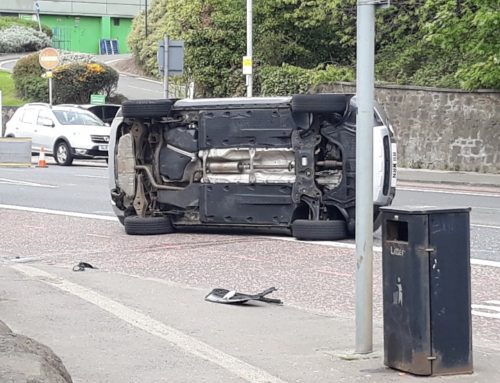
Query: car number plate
pixel 394 154
pixel 103 147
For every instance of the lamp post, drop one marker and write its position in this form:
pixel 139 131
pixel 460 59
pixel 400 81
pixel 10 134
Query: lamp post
pixel 146 18
pixel 249 75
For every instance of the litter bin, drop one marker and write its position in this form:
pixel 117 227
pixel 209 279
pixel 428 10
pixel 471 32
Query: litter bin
pixel 426 290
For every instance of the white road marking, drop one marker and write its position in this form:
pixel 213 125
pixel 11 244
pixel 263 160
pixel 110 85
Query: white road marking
pixel 485 315
pixel 99 236
pixel 484 262
pixel 89 176
pixel 185 342
pixel 485 226
pixel 58 212
pixel 486 307
pixel 486 310
pixel 445 191
pixel 10 181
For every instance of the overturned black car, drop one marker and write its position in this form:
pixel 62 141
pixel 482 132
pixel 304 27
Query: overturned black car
pixel 280 162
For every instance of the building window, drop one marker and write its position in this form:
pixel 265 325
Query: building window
pixel 116 21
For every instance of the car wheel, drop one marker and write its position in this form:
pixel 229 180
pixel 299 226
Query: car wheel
pixel 319 230
pixel 319 103
pixel 135 225
pixel 146 108
pixel 63 154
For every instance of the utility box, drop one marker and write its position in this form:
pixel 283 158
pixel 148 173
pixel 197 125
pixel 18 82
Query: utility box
pixel 426 290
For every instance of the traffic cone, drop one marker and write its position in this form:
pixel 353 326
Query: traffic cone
pixel 41 159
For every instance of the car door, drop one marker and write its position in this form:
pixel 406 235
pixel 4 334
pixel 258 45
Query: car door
pixel 45 130
pixel 27 123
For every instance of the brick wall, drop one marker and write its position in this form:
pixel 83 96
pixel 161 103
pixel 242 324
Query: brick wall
pixel 441 128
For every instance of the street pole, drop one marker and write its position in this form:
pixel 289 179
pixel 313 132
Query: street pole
pixel 249 77
pixel 364 174
pixel 165 67
pixel 50 87
pixel 146 18
pixel 36 7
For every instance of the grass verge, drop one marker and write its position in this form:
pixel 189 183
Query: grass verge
pixel 8 91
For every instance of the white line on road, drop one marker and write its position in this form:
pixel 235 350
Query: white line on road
pixel 485 315
pixel 185 342
pixel 10 181
pixel 89 176
pixel 58 212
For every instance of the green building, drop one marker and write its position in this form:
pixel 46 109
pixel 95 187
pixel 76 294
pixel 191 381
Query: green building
pixel 81 25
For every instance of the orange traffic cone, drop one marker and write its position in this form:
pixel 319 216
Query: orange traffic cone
pixel 41 159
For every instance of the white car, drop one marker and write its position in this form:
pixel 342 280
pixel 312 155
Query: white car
pixel 64 132
pixel 261 163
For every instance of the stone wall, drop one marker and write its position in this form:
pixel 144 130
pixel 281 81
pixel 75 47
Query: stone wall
pixel 441 128
pixel 7 112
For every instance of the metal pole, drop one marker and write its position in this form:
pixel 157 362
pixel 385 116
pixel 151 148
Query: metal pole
pixel 364 175
pixel 146 18
pixel 249 77
pixel 50 88
pixel 165 67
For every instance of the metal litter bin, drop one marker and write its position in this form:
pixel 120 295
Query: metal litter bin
pixel 426 290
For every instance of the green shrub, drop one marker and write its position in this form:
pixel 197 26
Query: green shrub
pixel 27 75
pixel 75 82
pixel 8 21
pixel 288 79
pixel 72 83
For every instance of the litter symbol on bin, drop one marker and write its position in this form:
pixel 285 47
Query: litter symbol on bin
pixel 397 296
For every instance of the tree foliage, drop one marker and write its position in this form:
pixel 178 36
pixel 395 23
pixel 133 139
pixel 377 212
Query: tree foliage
pixel 444 43
pixel 74 82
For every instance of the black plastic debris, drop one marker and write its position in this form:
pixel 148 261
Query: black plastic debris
pixel 233 297
pixel 82 266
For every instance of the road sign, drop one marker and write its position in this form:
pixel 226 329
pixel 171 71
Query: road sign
pixel 171 58
pixel 247 65
pixel 48 58
pixel 97 99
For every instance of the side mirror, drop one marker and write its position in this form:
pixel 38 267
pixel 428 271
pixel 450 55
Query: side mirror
pixel 47 122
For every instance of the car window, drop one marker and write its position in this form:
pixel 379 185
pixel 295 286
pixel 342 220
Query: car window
pixel 29 115
pixel 44 117
pixel 77 117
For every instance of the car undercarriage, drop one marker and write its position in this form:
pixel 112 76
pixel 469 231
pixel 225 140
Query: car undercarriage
pixel 275 162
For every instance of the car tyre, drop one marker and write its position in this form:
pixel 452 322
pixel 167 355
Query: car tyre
pixel 135 225
pixel 63 154
pixel 319 103
pixel 146 108
pixel 319 230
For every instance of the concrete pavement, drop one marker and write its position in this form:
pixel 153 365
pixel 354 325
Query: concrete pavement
pixel 190 340
pixel 448 177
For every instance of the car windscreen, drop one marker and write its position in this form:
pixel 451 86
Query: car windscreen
pixel 76 117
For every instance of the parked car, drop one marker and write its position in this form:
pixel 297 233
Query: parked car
pixel 105 112
pixel 280 162
pixel 65 132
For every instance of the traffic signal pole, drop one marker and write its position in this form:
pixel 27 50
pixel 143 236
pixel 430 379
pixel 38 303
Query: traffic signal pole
pixel 364 174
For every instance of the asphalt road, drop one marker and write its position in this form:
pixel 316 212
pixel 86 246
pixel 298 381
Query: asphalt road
pixel 83 188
